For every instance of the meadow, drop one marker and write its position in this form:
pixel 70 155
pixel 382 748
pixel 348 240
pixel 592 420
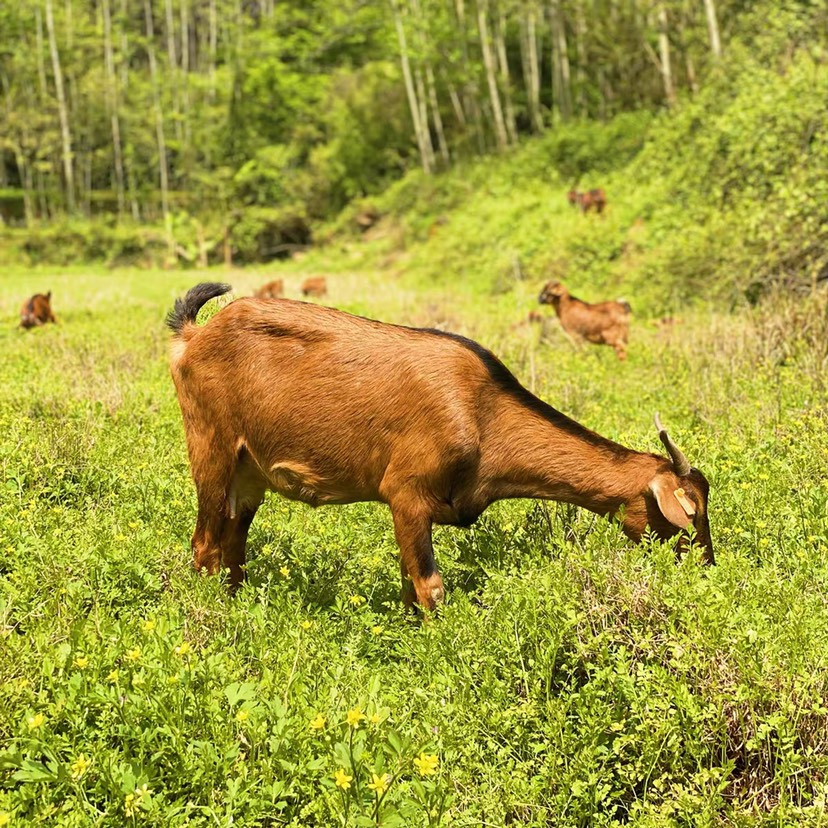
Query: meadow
pixel 571 678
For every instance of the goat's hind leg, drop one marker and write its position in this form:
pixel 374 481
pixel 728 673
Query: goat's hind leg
pixel 212 472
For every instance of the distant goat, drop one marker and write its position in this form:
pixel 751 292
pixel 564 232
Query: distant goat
pixel 605 323
pixel 328 408
pixel 272 290
pixel 315 286
pixel 590 200
pixel 37 311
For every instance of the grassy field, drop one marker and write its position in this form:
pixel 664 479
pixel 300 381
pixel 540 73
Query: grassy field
pixel 571 679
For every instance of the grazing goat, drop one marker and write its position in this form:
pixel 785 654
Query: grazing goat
pixel 272 290
pixel 328 408
pixel 315 286
pixel 590 200
pixel 37 311
pixel 605 323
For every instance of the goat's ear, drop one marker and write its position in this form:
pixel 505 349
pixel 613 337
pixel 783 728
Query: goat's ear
pixel 49 296
pixel 672 501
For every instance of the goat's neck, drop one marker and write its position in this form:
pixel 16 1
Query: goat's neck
pixel 542 454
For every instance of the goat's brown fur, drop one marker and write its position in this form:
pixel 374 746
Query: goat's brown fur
pixel 329 408
pixel 272 290
pixel 604 323
pixel 37 311
pixel 315 286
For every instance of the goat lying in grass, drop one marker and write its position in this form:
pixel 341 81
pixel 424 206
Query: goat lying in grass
pixel 37 311
pixel 326 408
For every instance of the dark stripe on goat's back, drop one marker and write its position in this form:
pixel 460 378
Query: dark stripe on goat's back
pixel 507 382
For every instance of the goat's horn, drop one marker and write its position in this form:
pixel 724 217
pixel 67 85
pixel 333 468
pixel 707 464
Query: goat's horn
pixel 680 463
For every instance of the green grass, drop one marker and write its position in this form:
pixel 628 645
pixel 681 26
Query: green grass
pixel 571 679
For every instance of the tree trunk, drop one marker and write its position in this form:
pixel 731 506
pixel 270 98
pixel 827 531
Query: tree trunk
pixel 534 69
pixel 560 60
pixel 582 104
pixel 63 113
pixel 41 66
pixel 431 85
pixel 420 133
pixel 488 62
pixel 500 41
pixel 438 118
pixel 421 98
pixel 112 106
pixel 664 55
pixel 213 49
pixel 185 87
pixel 172 72
pixel 163 173
pixel 470 90
pixel 713 28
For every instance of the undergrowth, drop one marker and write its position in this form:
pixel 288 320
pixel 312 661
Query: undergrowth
pixel 571 679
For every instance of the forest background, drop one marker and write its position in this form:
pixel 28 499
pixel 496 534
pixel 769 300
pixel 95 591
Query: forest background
pixel 192 131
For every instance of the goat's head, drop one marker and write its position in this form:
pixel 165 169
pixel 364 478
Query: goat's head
pixel 572 196
pixel 552 293
pixel 673 500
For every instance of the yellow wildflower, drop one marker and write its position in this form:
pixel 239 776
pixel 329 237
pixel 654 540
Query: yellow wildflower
pixel 134 654
pixel 284 572
pixel 79 766
pixel 130 805
pixel 342 779
pixel 378 630
pixel 134 524
pixel 376 718
pixel 148 625
pixel 379 784
pixel 318 722
pixel 182 649
pixel 426 764
pixel 172 679
pixel 356 600
pixel 306 625
pixel 354 717
pixel 113 676
pixel 36 721
pixel 5 818
pixel 81 662
pixel 242 716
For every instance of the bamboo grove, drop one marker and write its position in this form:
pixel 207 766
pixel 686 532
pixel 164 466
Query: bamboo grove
pixel 137 108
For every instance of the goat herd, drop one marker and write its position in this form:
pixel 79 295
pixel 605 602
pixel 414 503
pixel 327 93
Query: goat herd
pixel 328 408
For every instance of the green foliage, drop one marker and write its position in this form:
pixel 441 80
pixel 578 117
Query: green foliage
pixel 262 233
pixel 571 679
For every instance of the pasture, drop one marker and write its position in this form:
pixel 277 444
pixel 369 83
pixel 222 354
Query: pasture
pixel 572 678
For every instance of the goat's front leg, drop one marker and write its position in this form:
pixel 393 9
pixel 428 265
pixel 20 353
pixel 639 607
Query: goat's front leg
pixel 421 581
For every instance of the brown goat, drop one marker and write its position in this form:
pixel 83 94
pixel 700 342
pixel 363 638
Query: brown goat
pixel 315 286
pixel 37 311
pixel 605 323
pixel 595 199
pixel 328 408
pixel 272 290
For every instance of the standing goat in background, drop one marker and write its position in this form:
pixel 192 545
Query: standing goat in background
pixel 604 323
pixel 326 408
pixel 595 199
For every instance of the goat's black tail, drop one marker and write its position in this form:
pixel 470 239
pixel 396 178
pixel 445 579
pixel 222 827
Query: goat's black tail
pixel 186 310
